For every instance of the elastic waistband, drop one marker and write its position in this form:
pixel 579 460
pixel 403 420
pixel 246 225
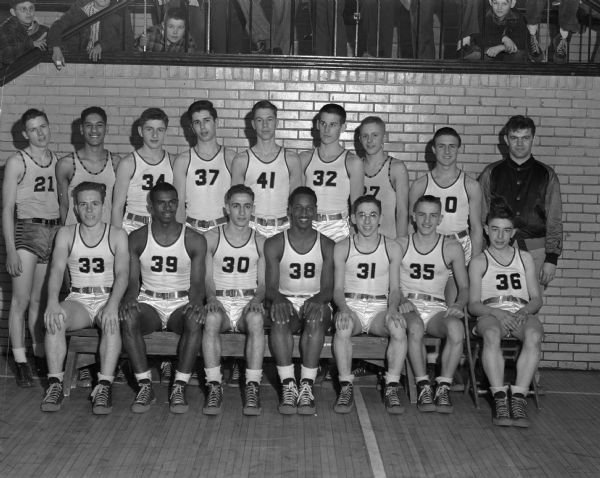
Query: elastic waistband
pixel 235 292
pixel 205 224
pixel 165 295
pixel 280 221
pixel 331 217
pixel 39 220
pixel 505 298
pixel 459 235
pixel 136 218
pixel 352 295
pixel 426 297
pixel 92 290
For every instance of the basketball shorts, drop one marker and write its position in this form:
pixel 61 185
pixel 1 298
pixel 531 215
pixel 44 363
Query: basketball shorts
pixel 93 303
pixel 366 310
pixel 35 238
pixel 234 306
pixel 336 230
pixel 164 307
pixel 427 309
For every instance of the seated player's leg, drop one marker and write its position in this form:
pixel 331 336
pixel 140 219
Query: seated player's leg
pixel 34 317
pixel 342 346
pixel 76 318
pixel 417 355
pixel 492 331
pixel 214 324
pixel 252 323
pixel 143 322
pixel 452 329
pixel 396 354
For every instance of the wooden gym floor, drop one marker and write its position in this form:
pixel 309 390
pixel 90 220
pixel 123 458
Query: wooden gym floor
pixel 563 440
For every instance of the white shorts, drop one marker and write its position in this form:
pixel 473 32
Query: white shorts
pixel 129 225
pixel 367 310
pixel 336 230
pixel 93 303
pixel 269 231
pixel 234 306
pixel 427 309
pixel 465 243
pixel 164 307
pixel 509 306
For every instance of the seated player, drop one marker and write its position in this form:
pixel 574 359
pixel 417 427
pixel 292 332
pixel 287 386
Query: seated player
pixel 97 259
pixel 505 296
pixel 427 261
pixel 299 276
pixel 169 257
pixel 367 294
pixel 235 290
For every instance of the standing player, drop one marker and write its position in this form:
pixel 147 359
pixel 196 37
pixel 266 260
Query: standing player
pixel 335 174
pixel 169 257
pixel 299 276
pixel 29 186
pixel 97 259
pixel 386 178
pixel 459 193
pixel 426 264
pixel 505 296
pixel 140 171
pixel 202 175
pixel 235 290
pixel 91 163
pixel 367 294
pixel 270 170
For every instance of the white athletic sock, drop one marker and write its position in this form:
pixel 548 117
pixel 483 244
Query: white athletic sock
pixel 213 374
pixel 441 379
pixel 19 354
pixel 495 390
pixel 182 377
pixel 108 378
pixel 308 373
pixel 39 350
pixel 346 378
pixel 532 29
pixel 464 42
pixel 522 390
pixel 424 378
pixel 253 375
pixel 285 372
pixel 60 376
pixel 389 378
pixel 147 375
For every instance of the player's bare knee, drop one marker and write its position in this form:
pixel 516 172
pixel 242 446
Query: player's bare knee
pixel 491 335
pixel 455 331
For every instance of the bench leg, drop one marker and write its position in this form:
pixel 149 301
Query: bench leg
pixel 70 370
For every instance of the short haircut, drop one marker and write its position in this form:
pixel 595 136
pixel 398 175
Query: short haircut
pixel 301 191
pixel 175 14
pixel 154 114
pixel 447 131
pixel 93 110
pixel 371 120
pixel 519 122
pixel 14 3
pixel 499 209
pixel 263 104
pixel 430 199
pixel 202 105
pixel 367 198
pixel 31 114
pixel 88 186
pixel 161 187
pixel 238 189
pixel 334 108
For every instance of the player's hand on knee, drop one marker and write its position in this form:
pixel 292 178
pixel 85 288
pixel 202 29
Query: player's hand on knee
pixel 195 312
pixel 281 312
pixel 54 318
pixel 406 307
pixel 109 319
pixel 213 305
pixel 14 267
pixel 255 306
pixel 455 311
pixel 395 318
pixel 128 308
pixel 313 312
pixel 344 319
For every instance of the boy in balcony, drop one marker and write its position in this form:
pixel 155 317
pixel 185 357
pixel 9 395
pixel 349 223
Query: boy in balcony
pixel 169 36
pixel 21 32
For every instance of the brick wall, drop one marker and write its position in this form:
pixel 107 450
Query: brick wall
pixel 566 110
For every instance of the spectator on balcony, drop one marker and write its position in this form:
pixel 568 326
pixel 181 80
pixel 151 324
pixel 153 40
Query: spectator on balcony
pixel 378 17
pixel 422 12
pixel 109 34
pixel 169 36
pixel 504 33
pixel 21 32
pixel 330 29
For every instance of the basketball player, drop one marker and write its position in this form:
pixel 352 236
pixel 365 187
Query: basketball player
pixel 427 260
pixel 29 189
pixel 367 295
pixel 202 175
pixel 169 257
pixel 334 173
pixel 235 283
pixel 299 276
pixel 138 172
pixel 270 170
pixel 97 258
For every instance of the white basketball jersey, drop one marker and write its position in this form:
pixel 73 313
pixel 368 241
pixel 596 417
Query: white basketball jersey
pixel 145 177
pixel 455 204
pixel 424 273
pixel 300 274
pixel 330 181
pixel 270 183
pixel 91 266
pixel 165 269
pixel 235 267
pixel 499 279
pixel 206 183
pixel 380 186
pixel 367 272
pixel 80 174
pixel 36 191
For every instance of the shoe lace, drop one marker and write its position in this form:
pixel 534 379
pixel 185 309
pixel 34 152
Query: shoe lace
pixel 100 394
pixel 252 395
pixel 442 395
pixel 534 45
pixel 214 395
pixel 165 369
pixel 305 396
pixel 519 407
pixel 144 394
pixel 425 395
pixel 84 374
pixel 290 393
pixel 391 396
pixel 53 393
pixel 345 397
pixel 502 407
pixel 177 394
pixel 235 372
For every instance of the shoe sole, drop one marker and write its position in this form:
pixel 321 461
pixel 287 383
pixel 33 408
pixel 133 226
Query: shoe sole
pixel 287 410
pixel 50 408
pixel 212 410
pixel 343 409
pixel 142 408
pixel 520 423
pixel 101 410
pixel 426 408
pixel 307 410
pixel 251 411
pixel 178 409
pixel 444 409
pixel 395 410
pixel 502 422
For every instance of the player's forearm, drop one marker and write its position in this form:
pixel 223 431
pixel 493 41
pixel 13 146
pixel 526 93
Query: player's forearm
pixel 395 299
pixel 462 299
pixel 54 284
pixel 339 299
pixel 479 310
pixel 8 230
